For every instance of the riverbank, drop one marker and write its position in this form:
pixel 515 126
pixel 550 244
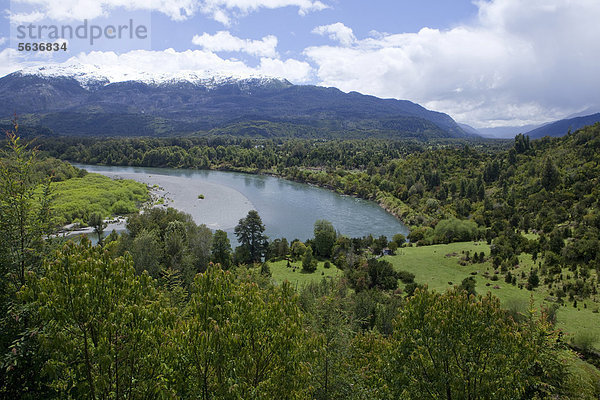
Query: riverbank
pixel 117 224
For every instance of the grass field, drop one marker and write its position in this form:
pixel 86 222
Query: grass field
pixel 280 272
pixel 438 267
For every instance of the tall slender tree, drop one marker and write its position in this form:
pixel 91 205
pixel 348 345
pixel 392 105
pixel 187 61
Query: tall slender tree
pixel 24 221
pixel 250 234
pixel 221 249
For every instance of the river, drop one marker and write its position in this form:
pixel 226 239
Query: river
pixel 288 209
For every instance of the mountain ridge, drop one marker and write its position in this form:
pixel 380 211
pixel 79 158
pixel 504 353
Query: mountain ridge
pixel 86 100
pixel 563 126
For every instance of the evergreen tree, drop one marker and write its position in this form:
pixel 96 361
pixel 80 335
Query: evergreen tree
pixel 534 280
pixel 468 285
pixel 550 175
pixel 221 249
pixel 250 234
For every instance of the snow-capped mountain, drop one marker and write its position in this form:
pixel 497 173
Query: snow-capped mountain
pixel 79 99
pixel 92 76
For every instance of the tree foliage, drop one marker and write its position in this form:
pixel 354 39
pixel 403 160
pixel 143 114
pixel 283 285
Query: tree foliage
pixel 25 218
pixel 102 325
pixel 454 345
pixel 324 238
pixel 250 234
pixel 239 341
pixel 221 249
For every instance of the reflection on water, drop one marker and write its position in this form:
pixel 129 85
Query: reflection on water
pixel 288 209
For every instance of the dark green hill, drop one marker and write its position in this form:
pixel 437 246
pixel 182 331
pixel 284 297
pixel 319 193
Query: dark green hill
pixel 560 128
pixel 134 108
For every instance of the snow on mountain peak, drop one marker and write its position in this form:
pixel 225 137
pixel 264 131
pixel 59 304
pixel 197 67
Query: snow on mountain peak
pixel 90 76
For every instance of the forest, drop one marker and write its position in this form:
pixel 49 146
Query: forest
pixel 170 310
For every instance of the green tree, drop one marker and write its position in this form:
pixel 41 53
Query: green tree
pixel 468 285
pixel 146 253
pixel 199 244
pixel 379 244
pixel 455 230
pixel 309 263
pixel 175 244
pixel 550 176
pixel 25 218
pixel 298 249
pixel 24 212
pixel 102 325
pixel 239 341
pixel 324 238
pixel 221 249
pixel 331 326
pixel 533 280
pixel 399 239
pixel 96 221
pixel 250 234
pixel 382 275
pixel 556 242
pixel 454 345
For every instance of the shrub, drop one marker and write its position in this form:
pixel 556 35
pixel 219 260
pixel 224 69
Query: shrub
pixel 123 207
pixel 584 340
pixel 455 230
pixel 405 276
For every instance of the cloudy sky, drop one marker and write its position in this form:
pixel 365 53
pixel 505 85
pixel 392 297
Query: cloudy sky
pixel 487 63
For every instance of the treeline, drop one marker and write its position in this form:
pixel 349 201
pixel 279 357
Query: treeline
pixel 253 155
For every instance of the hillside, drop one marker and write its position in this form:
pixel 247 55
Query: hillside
pixel 89 101
pixel 560 128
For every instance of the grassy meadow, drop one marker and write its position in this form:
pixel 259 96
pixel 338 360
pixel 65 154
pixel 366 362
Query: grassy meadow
pixel 438 267
pixel 280 272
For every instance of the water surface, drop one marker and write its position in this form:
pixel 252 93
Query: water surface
pixel 288 209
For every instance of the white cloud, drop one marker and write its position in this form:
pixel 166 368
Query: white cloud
pixel 225 41
pixel 293 70
pixel 519 62
pixel 69 10
pixel 25 18
pixel 137 63
pixel 10 61
pixel 220 10
pixel 2 40
pixel 338 32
